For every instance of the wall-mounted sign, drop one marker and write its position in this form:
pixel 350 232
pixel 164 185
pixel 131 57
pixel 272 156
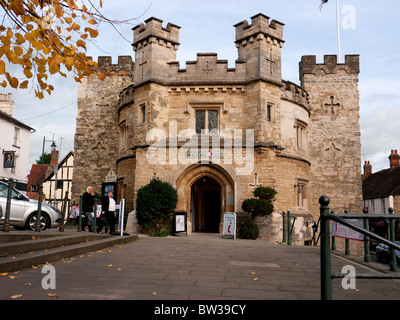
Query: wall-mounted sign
pixel 111 176
pixel 9 159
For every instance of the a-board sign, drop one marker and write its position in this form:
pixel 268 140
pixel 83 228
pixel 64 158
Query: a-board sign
pixel 229 225
pixel 180 223
pixel 341 231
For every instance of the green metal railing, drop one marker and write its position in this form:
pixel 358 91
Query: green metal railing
pixel 287 229
pixel 325 249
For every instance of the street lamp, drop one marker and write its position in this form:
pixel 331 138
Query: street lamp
pixel 39 211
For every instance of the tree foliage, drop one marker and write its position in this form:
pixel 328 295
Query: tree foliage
pixel 46 158
pixel 47 37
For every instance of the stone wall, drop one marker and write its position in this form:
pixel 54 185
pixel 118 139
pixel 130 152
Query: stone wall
pixel 96 137
pixel 334 131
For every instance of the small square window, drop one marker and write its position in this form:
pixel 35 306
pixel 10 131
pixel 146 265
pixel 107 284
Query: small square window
pixel 206 120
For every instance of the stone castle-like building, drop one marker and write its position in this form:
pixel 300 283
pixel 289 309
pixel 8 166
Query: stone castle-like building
pixel 191 127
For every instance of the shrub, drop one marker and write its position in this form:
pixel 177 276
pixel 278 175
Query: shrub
pixel 261 205
pixel 249 230
pixel 155 203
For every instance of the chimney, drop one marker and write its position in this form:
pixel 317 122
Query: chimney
pixel 367 169
pixel 6 104
pixel 394 159
pixel 54 157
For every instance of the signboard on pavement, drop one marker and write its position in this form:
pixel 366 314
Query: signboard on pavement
pixel 229 225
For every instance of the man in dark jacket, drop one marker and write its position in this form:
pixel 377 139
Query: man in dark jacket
pixel 87 208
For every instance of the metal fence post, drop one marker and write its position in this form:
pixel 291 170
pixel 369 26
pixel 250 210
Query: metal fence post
pixel 80 215
pixel 347 242
pixel 333 238
pixel 325 256
pixel 6 226
pixel 289 241
pixel 95 215
pixel 393 260
pixel 284 226
pixel 64 209
pixel 367 257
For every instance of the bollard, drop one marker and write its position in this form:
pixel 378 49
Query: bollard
pixel 80 215
pixel 393 260
pixel 347 242
pixel 95 215
pixel 333 238
pixel 6 226
pixel 325 256
pixel 289 240
pixel 39 210
pixel 284 227
pixel 367 257
pixel 64 209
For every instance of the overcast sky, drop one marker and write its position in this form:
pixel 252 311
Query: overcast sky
pixel 369 28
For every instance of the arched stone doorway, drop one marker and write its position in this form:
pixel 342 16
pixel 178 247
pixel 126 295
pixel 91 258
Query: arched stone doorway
pixel 205 192
pixel 206 205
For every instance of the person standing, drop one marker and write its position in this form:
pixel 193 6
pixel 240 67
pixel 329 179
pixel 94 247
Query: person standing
pixel 87 208
pixel 108 212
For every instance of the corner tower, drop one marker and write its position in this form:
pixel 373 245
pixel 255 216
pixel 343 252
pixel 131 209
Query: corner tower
pixel 334 130
pixel 154 47
pixel 259 44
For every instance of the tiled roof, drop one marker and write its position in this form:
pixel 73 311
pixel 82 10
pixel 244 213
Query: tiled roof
pixel 382 184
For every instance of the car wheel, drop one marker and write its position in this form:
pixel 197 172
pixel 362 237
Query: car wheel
pixel 31 221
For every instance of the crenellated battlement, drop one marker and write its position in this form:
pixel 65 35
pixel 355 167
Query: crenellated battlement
pixel 294 93
pixel 259 29
pixel 125 64
pixel 309 65
pixel 153 31
pixel 206 69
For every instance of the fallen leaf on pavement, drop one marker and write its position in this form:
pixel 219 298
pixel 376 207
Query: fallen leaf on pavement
pixel 109 266
pixel 28 284
pixel 255 279
pixel 3 274
pixel 16 296
pixel 12 277
pixel 51 294
pixel 154 293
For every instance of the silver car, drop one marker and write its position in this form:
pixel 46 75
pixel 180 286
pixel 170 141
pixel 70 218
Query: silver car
pixel 23 212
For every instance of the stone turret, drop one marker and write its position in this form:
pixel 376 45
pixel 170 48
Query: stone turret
pixel 334 130
pixel 259 44
pixel 96 137
pixel 154 47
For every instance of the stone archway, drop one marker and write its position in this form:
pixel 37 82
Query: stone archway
pixel 187 182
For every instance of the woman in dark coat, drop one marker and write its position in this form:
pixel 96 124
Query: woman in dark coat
pixel 108 212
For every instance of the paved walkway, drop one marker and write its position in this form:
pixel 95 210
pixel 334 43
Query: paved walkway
pixel 197 267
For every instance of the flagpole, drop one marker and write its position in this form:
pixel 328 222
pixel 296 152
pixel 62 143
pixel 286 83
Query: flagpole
pixel 338 29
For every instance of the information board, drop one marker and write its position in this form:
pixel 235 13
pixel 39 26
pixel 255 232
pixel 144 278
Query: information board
pixel 341 231
pixel 180 223
pixel 229 225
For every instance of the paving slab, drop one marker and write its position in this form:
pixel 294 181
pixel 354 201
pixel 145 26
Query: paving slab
pixel 197 267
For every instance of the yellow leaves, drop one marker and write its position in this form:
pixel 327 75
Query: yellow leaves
pixel 24 85
pixel 93 33
pixel 51 41
pixel 16 296
pixel 2 67
pixel 3 274
pixel 18 7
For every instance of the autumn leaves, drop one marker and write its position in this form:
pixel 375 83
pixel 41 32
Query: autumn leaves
pixel 42 37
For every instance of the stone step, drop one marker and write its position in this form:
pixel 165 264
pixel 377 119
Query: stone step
pixel 35 243
pixel 64 247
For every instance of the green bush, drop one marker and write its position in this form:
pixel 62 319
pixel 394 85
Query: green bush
pixel 265 193
pixel 155 203
pixel 249 230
